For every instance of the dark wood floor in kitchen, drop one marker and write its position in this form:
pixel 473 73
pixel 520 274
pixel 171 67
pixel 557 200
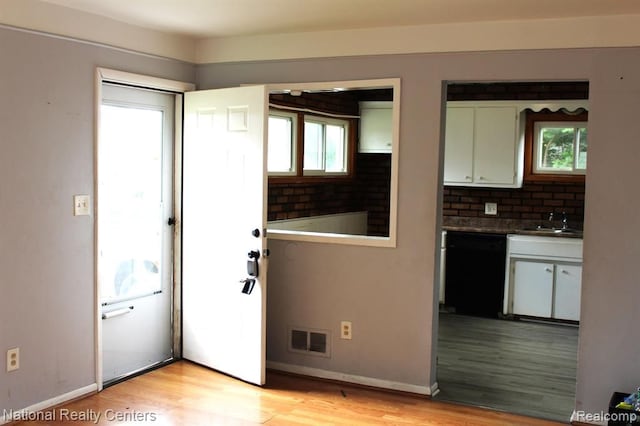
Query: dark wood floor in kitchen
pixel 516 366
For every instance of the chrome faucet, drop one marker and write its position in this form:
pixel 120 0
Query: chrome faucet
pixel 551 220
pixel 565 221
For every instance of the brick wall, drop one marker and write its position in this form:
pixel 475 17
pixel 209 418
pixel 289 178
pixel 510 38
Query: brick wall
pixel 518 91
pixel 368 191
pixel 534 201
pixel 374 189
pixel 293 200
pixel 335 103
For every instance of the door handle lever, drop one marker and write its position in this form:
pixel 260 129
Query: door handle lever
pixel 249 283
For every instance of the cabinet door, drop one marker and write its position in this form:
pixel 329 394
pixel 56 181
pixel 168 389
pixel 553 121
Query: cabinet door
pixel 375 129
pixel 532 288
pixel 495 145
pixel 458 148
pixel 566 302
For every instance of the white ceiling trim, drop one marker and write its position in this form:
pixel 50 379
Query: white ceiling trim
pixel 579 32
pixel 606 31
pixel 61 21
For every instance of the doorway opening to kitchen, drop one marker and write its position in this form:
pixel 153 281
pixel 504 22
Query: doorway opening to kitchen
pixel 511 253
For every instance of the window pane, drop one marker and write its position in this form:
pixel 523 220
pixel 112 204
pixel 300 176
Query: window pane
pixel 313 146
pixel 582 148
pixel 556 148
pixel 334 156
pixel 130 194
pixel 279 145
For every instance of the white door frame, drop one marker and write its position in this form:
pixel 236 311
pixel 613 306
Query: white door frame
pixel 177 87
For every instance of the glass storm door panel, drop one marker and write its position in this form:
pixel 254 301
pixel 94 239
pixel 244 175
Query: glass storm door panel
pixel 135 203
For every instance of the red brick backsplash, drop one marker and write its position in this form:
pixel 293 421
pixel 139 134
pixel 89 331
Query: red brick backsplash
pixel 369 191
pixel 534 201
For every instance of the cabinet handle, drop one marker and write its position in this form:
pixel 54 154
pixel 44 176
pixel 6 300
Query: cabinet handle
pixel 480 177
pixel 467 178
pixel 564 271
pixel 548 269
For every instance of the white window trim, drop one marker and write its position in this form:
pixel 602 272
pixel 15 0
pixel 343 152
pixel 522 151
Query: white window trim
pixel 347 144
pixel 537 146
pixel 294 141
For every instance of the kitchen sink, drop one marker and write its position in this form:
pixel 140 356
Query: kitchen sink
pixel 544 231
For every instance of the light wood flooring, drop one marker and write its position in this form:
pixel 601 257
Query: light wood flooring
pixel 187 394
pixel 515 366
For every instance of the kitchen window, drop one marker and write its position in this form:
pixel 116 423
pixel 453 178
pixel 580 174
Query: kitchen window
pixel 325 146
pixel 556 146
pixel 281 145
pixel 319 147
pixel 560 147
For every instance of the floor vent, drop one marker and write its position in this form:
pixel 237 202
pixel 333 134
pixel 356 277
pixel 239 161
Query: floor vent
pixel 310 342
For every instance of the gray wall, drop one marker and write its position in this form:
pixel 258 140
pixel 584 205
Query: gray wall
pixel 46 254
pixel 388 293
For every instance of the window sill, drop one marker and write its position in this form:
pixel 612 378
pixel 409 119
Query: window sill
pixel 309 179
pixel 320 237
pixel 553 177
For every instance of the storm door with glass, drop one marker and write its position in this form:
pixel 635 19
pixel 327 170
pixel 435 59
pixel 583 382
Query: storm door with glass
pixel 135 232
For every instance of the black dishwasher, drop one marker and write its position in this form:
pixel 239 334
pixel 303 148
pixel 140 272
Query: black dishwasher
pixel 475 266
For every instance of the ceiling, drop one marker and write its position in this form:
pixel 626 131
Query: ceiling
pixel 224 18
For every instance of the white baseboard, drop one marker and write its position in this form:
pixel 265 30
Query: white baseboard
pixel 350 378
pixel 40 406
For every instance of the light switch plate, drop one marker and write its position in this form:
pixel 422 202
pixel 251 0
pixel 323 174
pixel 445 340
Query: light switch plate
pixel 491 208
pixel 81 205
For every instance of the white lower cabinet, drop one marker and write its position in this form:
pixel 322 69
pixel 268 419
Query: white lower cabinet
pixel 566 300
pixel 544 277
pixel 546 290
pixel 533 288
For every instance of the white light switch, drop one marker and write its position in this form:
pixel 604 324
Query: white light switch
pixel 491 208
pixel 81 205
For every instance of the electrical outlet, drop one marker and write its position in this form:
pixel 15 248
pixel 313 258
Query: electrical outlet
pixel 345 330
pixel 13 359
pixel 491 208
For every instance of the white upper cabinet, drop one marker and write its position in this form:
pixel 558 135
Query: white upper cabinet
pixel 376 127
pixel 458 149
pixel 495 146
pixel 482 145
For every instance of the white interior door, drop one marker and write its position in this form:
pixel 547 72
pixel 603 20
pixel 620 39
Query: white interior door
pixel 135 202
pixel 224 203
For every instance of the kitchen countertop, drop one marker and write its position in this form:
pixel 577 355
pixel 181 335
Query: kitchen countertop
pixel 501 226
